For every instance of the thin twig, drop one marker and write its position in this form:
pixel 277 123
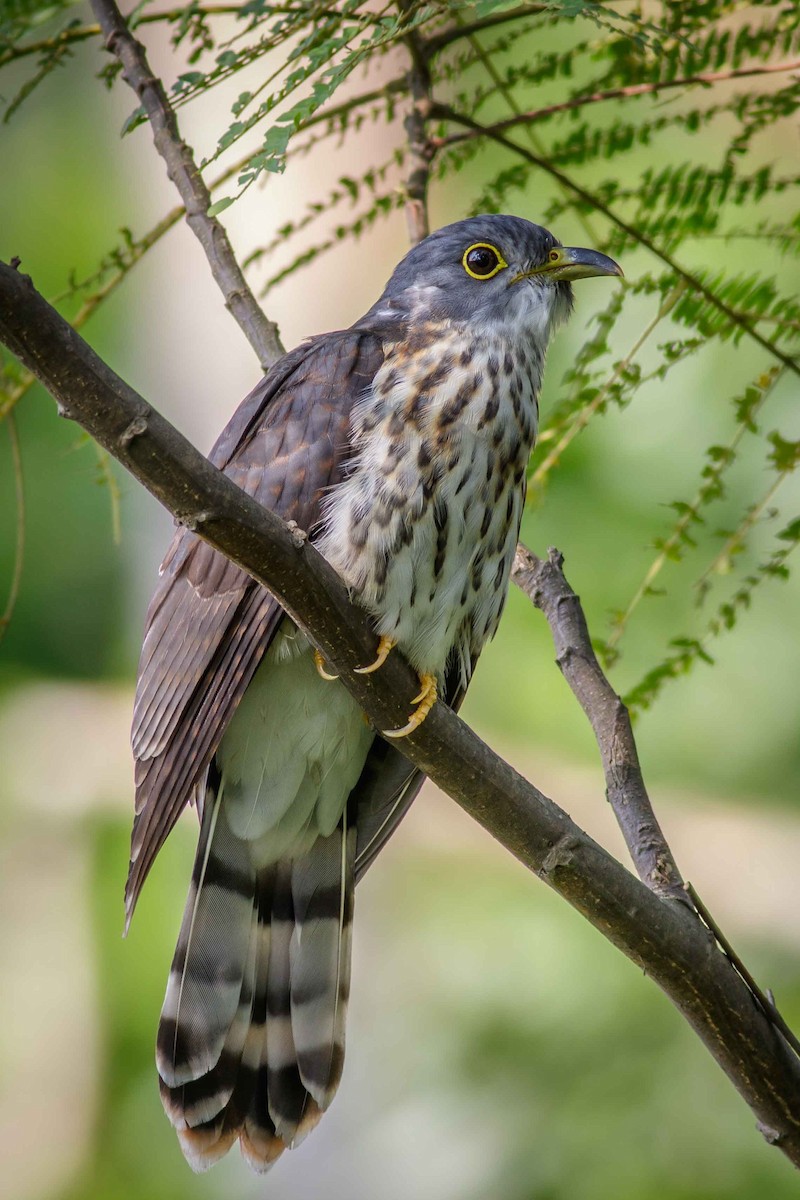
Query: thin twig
pixel 545 585
pixel 689 512
pixel 183 171
pixel 588 410
pixel 445 113
pixel 439 41
pixel 19 551
pixel 620 93
pixel 82 33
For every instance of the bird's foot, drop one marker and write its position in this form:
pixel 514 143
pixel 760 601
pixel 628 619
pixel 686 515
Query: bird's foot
pixel 319 663
pixel 384 646
pixel 425 700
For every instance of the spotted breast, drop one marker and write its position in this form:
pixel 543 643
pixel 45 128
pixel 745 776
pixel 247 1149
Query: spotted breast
pixel 424 528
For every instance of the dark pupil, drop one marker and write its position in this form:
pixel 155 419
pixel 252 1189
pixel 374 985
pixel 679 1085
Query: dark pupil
pixel 482 260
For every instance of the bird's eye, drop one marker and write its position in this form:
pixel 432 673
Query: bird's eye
pixel 554 256
pixel 483 261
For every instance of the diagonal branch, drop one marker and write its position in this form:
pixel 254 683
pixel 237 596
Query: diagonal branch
pixel 445 113
pixel 439 41
pixel 618 93
pixel 664 939
pixel 544 584
pixel 261 333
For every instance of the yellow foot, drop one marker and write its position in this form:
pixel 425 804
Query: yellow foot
pixel 319 662
pixel 426 700
pixel 384 646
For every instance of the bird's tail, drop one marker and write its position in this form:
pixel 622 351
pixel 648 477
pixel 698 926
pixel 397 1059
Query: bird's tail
pixel 251 1039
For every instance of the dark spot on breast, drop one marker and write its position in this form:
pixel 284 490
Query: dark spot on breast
pixel 454 407
pixel 464 593
pixel 493 366
pixel 498 575
pixel 492 407
pixel 489 466
pixel 465 476
pixel 510 507
pixel 358 536
pixel 423 456
pixel 396 425
pixel 508 363
pixel 440 515
pixel 465 358
pixel 389 381
pixel 487 520
pixel 477 571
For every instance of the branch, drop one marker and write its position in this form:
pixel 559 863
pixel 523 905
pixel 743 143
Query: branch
pixel 544 584
pixel 261 333
pixel 439 41
pixel 82 33
pixel 420 149
pixel 619 93
pixel 445 113
pixel 664 939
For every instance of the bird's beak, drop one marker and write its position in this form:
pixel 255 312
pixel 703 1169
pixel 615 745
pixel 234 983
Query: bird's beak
pixel 574 262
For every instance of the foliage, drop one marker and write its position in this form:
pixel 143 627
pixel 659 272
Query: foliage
pixel 653 127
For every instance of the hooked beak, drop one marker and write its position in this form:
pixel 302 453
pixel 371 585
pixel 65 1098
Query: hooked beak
pixel 573 262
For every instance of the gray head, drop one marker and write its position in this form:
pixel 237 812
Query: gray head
pixel 489 271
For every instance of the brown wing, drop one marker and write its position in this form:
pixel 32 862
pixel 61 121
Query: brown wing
pixel 209 623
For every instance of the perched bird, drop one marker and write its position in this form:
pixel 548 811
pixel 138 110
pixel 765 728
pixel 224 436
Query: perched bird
pixel 400 445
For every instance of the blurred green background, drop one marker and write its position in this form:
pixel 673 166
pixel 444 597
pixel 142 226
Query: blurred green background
pixel 498 1047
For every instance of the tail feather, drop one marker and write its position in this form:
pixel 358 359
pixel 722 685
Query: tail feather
pixel 251 1040
pixel 206 978
pixel 322 892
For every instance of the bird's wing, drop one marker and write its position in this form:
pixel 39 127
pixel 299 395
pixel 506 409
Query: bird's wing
pixel 209 623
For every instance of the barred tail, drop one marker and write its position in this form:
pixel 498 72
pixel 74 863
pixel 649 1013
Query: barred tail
pixel 251 1039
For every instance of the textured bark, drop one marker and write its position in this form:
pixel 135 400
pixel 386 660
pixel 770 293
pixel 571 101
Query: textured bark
pixel 664 938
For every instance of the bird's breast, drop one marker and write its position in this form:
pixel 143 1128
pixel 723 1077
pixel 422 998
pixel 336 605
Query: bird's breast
pixel 424 527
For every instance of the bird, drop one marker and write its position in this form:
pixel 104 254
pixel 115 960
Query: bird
pixel 400 446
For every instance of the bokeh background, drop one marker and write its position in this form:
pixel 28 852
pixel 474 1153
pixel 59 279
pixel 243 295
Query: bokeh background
pixel 498 1046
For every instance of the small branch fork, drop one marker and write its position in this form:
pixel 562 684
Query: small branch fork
pixel 261 333
pixel 543 582
pixel 663 938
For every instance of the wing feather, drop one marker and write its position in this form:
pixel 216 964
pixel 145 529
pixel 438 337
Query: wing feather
pixel 209 623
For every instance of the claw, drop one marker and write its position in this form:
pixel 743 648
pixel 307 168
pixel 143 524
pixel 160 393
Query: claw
pixel 319 663
pixel 426 700
pixel 384 646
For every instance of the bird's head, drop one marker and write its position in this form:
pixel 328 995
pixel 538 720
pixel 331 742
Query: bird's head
pixel 490 271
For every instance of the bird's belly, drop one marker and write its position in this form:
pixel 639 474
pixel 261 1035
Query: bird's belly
pixel 430 556
pixel 291 754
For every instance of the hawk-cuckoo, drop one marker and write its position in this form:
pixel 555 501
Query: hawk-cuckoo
pixel 401 446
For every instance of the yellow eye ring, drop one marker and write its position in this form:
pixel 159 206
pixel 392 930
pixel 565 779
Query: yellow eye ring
pixel 485 263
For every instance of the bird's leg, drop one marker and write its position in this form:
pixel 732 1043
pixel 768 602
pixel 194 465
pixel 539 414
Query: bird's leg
pixel 426 699
pixel 319 663
pixel 384 646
